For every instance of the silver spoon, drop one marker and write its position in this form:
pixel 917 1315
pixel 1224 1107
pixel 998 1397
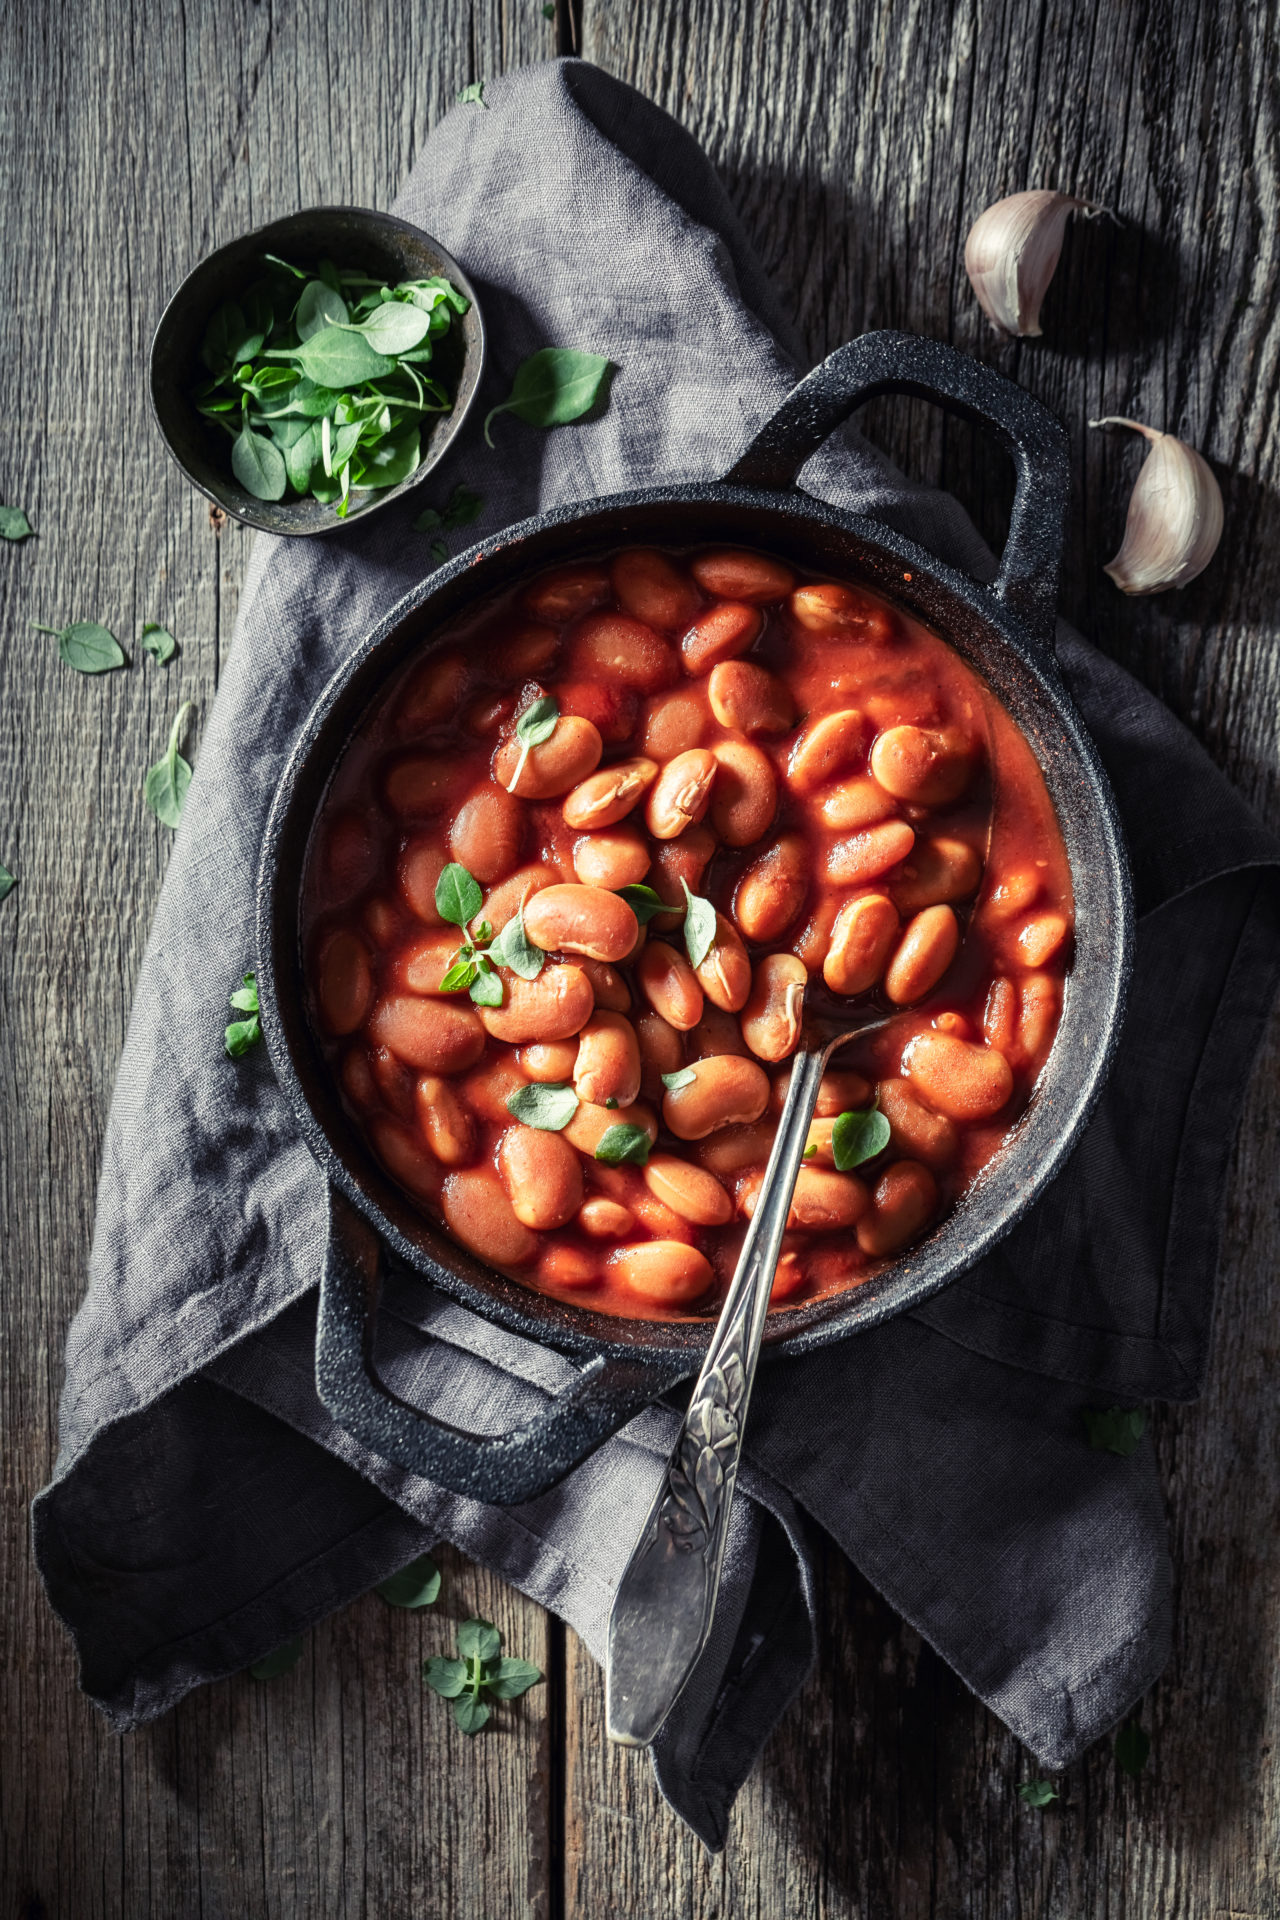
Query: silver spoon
pixel 664 1607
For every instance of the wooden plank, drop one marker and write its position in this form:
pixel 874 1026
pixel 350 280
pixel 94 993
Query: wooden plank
pixel 134 140
pixel 859 144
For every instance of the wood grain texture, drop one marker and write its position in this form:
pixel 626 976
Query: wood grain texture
pixel 858 142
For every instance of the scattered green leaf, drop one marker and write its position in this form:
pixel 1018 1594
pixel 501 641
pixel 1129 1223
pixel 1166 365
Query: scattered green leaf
pixel 682 1077
pixel 458 895
pixel 486 988
pixel 549 1108
pixel 439 552
pixel 417 1585
pixel 319 306
pixel 623 1144
pixel 1037 1793
pixel 272 1665
pixel 481 1668
pixel 14 524
pixel 699 926
pixel 1133 1748
pixel 1117 1430
pixel 549 9
pixel 473 96
pixel 86 646
pixel 644 902
pixel 856 1137
pixel 243 1034
pixel 8 882
pixel 459 976
pixel 158 641
pixel 552 387
pixel 165 789
pixel 459 510
pixel 535 724
pixel 513 948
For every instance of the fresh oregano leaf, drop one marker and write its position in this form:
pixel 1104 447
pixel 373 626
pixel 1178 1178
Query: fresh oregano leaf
pixel 14 524
pixel 856 1137
pixel 644 902
pixel 513 948
pixel 552 387
pixel 243 1034
pixel 1117 1430
pixel 165 789
pixel 549 1108
pixel 682 1077
pixel 479 1640
pixel 623 1144
pixel 272 1665
pixel 459 975
pixel 417 1585
pixel 486 989
pixel 158 641
pixel 1133 1748
pixel 473 96
pixel 458 895
pixel 699 926
pixel 459 510
pixel 258 465
pixel 484 932
pixel 445 1677
pixel 510 1678
pixel 535 724
pixel 86 645
pixel 8 882
pixel 471 1713
pixel 1037 1793
pixel 319 307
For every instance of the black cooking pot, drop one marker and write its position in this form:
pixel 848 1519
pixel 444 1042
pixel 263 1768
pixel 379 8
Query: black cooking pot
pixel 1004 630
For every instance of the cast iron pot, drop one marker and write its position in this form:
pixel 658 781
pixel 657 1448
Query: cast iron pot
pixel 1004 630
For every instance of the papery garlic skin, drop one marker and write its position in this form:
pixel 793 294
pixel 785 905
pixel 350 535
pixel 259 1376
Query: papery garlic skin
pixel 1174 522
pixel 1012 252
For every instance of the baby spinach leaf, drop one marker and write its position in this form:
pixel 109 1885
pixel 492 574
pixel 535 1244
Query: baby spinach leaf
pixel 319 306
pixel 387 465
pixel 486 989
pixel 445 1677
pixel 644 902
pixel 340 358
pixel 8 882
pixel 458 895
pixel 166 784
pixel 243 1034
pixel 511 1678
pixel 1037 1793
pixel 473 95
pixel 536 723
pixel 513 948
pixel 1133 1748
pixel 272 1665
pixel 258 466
pixel 1117 1430
pixel 553 386
pixel 14 524
pixel 223 337
pixel 699 926
pixel 549 1108
pixel 682 1077
pixel 479 1640
pixel 86 646
pixel 394 327
pixel 623 1144
pixel 158 641
pixel 300 456
pixel 856 1137
pixel 417 1585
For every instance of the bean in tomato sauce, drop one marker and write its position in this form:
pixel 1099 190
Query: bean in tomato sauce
pixel 786 769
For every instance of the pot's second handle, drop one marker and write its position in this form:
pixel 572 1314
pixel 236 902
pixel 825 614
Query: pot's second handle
pixel 502 1469
pixel 1027 582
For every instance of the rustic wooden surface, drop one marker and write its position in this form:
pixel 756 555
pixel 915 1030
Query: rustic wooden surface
pixel 858 140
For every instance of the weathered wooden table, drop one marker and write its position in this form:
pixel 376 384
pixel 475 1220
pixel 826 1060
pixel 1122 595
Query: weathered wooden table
pixel 858 140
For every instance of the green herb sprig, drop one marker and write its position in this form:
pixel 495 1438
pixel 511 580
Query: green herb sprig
pixel 243 1034
pixel 417 1585
pixel 552 387
pixel 165 788
pixel 14 524
pixel 1117 1430
pixel 857 1137
pixel 480 1668
pixel 1037 1793
pixel 318 379
pixel 535 725
pixel 473 968
pixel 473 96
pixel 459 510
pixel 86 645
pixel 158 642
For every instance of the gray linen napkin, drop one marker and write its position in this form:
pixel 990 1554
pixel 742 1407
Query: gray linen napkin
pixel 204 1507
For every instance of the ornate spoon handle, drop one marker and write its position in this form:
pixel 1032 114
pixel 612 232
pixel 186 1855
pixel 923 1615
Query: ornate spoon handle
pixel 664 1607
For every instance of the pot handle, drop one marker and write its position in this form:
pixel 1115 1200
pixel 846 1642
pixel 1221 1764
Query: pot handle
pixel 502 1469
pixel 1027 582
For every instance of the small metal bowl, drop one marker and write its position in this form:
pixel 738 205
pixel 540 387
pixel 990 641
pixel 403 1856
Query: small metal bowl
pixel 350 237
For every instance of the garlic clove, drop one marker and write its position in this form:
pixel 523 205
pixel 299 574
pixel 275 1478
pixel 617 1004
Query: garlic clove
pixel 1174 522
pixel 1011 254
